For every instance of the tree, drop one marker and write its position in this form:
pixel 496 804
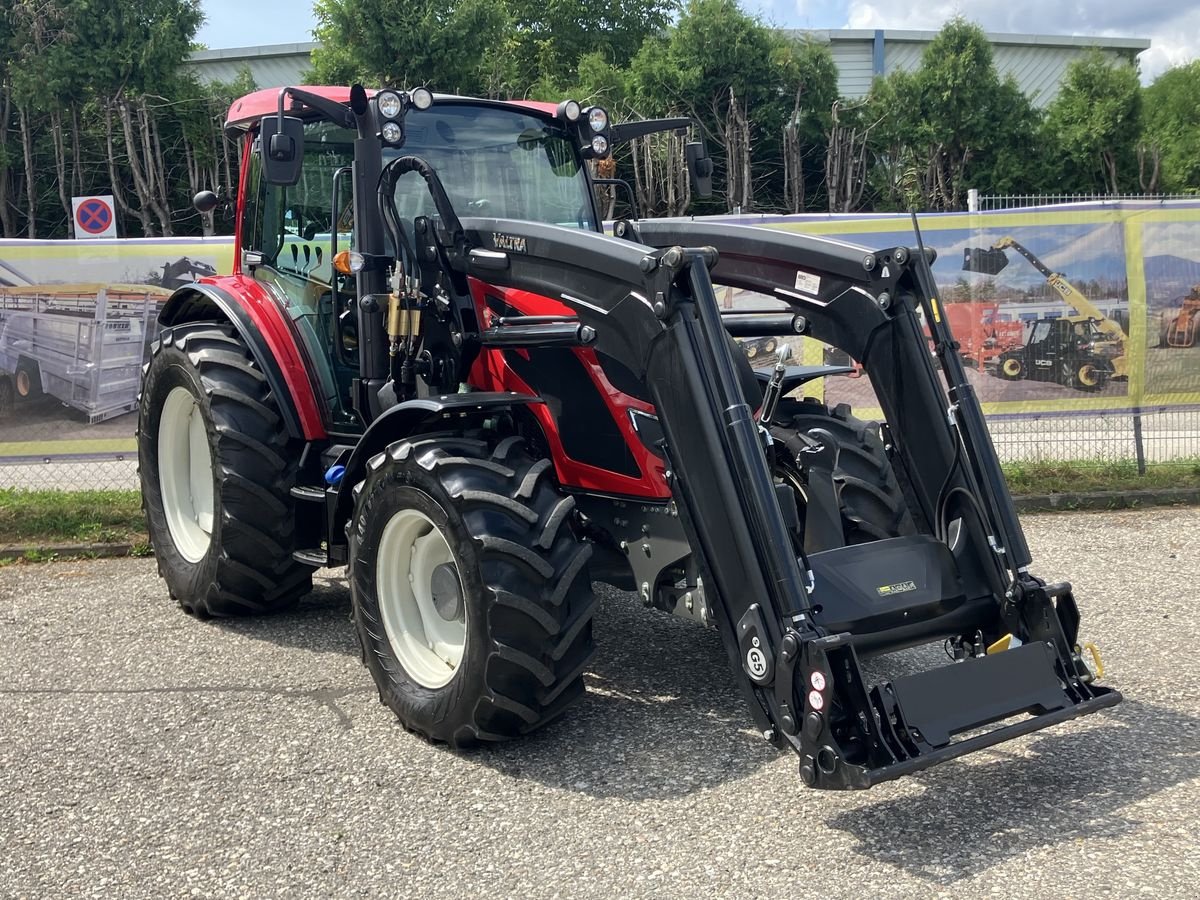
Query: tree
pixel 1171 123
pixel 744 83
pixel 950 123
pixel 847 161
pixel 449 45
pixel 1095 123
pixel 550 38
pixel 135 50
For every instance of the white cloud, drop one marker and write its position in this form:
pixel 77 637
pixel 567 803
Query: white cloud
pixel 1170 25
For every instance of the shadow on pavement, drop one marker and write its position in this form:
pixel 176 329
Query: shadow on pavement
pixel 1068 788
pixel 663 718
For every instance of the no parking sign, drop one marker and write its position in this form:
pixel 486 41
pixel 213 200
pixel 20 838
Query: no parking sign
pixel 95 217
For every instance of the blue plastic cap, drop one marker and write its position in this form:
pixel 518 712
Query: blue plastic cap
pixel 334 475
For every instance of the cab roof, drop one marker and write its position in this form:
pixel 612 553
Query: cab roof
pixel 246 111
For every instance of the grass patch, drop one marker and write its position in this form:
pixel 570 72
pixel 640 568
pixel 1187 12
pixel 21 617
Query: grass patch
pixel 38 518
pixel 1036 478
pixel 84 517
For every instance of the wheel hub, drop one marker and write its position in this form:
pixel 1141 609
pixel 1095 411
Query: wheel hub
pixel 185 474
pixel 447 594
pixel 421 598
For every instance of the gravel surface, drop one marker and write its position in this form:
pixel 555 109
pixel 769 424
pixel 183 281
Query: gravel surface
pixel 146 754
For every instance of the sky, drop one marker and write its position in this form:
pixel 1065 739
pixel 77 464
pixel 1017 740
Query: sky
pixel 1171 25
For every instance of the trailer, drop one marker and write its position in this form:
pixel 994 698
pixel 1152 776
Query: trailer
pixel 82 344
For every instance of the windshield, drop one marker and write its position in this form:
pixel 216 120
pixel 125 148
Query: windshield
pixel 494 162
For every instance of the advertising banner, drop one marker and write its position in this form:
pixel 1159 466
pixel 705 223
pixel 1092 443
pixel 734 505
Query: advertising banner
pixel 76 319
pixel 1089 308
pixel 1066 310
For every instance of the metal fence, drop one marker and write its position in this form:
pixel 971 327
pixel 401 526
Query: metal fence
pixel 1148 439
pixel 1151 439
pixel 977 202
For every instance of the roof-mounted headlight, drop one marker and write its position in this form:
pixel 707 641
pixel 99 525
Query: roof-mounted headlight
pixel 597 118
pixel 570 110
pixel 600 145
pixel 390 104
pixel 422 98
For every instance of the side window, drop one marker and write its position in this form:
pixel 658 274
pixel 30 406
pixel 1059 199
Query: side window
pixel 293 226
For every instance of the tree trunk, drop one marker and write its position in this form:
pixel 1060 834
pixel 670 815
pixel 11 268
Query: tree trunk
pixel 7 225
pixel 141 183
pixel 60 166
pixel 30 181
pixel 1152 155
pixel 739 190
pixel 793 160
pixel 1109 160
pixel 118 188
pixel 77 180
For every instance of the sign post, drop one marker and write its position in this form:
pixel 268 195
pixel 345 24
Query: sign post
pixel 94 217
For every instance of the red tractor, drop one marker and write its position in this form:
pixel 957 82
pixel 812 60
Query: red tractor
pixel 430 365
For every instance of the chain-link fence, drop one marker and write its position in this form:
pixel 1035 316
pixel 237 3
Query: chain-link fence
pixel 1148 439
pixel 1160 438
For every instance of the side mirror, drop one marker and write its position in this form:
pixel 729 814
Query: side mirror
pixel 205 201
pixel 282 149
pixel 700 167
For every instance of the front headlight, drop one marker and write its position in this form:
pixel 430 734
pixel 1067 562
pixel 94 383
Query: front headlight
pixel 600 145
pixel 597 119
pixel 391 132
pixel 390 104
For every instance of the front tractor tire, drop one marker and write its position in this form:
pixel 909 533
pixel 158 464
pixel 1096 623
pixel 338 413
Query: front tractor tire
pixel 217 465
pixel 1011 368
pixel 470 588
pixel 871 501
pixel 1089 377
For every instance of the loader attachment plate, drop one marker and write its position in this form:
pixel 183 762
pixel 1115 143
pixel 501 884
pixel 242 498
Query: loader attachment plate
pixel 910 722
pixel 946 701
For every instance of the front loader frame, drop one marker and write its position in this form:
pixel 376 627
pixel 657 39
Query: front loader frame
pixel 645 298
pixel 652 307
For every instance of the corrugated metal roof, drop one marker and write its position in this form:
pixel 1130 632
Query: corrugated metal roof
pixel 276 65
pixel 1037 62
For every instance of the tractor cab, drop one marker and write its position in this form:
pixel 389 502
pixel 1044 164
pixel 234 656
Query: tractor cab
pixel 315 228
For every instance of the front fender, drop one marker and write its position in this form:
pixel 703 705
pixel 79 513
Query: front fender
pixel 450 412
pixel 264 327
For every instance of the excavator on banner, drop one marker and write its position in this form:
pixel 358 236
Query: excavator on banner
pixel 1082 351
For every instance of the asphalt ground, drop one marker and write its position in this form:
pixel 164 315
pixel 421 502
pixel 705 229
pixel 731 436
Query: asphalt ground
pixel 147 754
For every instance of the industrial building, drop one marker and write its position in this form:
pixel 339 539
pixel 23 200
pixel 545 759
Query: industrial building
pixel 1037 61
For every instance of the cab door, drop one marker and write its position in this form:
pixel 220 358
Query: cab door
pixel 290 235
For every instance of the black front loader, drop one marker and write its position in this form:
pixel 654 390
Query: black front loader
pixel 794 626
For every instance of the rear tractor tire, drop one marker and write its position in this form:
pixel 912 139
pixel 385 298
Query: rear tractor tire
pixel 470 588
pixel 217 466
pixel 871 501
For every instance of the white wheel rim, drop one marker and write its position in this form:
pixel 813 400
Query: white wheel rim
pixel 185 474
pixel 428 646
